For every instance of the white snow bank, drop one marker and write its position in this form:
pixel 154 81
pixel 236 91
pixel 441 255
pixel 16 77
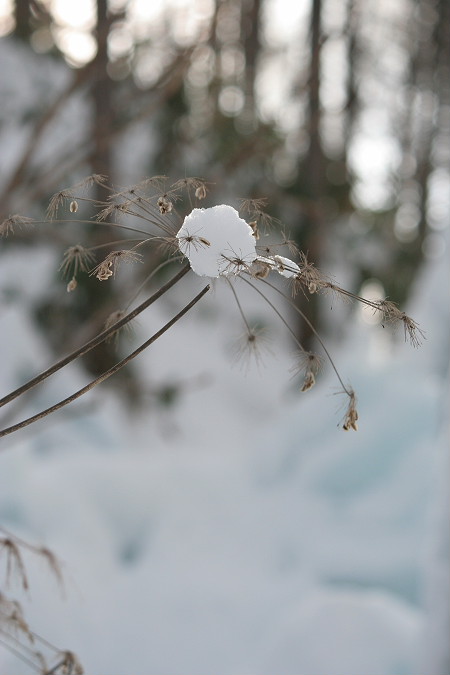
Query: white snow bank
pixel 349 632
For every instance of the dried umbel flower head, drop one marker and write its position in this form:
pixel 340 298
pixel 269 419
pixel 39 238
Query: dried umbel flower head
pixel 14 562
pixel 261 268
pixel 9 225
pixel 200 192
pixel 103 271
pixel 108 267
pixel 191 183
pixel 309 277
pixel 71 286
pixel 61 197
pixel 392 314
pixel 260 219
pixel 218 243
pixel 308 365
pixel 164 204
pixel 351 414
pixel 76 259
pixel 67 664
pixel 251 347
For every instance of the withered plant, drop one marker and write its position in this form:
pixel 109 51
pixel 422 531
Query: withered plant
pixel 214 242
pixel 16 635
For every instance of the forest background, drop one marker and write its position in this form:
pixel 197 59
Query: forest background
pixel 338 114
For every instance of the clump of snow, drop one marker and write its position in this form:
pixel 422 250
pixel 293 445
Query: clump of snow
pixel 286 267
pixel 217 241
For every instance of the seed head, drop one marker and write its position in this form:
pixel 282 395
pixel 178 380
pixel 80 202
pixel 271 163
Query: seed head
pixel 309 381
pixel 71 286
pixel 108 267
pixel 76 259
pixel 164 204
pixel 351 414
pixel 250 347
pixel 308 364
pixel 261 268
pixel 200 192
pixel 8 225
pixel 392 314
pixel 189 183
pixel 104 271
pixel 254 225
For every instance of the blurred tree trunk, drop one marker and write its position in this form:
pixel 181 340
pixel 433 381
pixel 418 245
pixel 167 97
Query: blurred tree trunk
pixel 102 101
pixel 421 126
pixel 315 169
pixel 312 172
pixel 103 120
pixel 351 85
pixel 22 18
pixel 250 29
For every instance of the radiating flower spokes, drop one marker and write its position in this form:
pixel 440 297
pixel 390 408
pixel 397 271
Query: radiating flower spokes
pixel 218 242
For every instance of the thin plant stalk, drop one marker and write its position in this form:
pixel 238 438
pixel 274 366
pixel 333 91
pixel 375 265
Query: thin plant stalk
pixel 241 311
pixel 111 371
pixel 307 321
pixel 98 339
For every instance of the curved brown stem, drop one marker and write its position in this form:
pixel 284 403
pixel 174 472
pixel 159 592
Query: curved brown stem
pixel 101 337
pixel 104 376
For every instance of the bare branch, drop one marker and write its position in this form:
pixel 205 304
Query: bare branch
pixel 108 373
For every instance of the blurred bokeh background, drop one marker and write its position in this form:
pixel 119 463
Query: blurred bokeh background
pixel 212 519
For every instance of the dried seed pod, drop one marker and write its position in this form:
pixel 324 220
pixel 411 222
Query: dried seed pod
pixel 104 270
pixel 73 207
pixel 254 226
pixel 165 206
pixel 309 381
pixel 71 286
pixel 200 192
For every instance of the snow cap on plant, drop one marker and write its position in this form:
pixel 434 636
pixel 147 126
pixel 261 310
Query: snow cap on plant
pixel 217 241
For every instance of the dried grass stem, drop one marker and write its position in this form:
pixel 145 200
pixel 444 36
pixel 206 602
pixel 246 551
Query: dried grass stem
pixel 111 371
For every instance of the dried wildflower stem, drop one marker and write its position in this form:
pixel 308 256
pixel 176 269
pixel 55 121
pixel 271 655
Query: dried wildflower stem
pixel 307 321
pixel 280 316
pixel 101 337
pixel 117 241
pixel 104 376
pixel 249 330
pixel 28 650
pixel 149 277
pixel 77 221
pixel 36 665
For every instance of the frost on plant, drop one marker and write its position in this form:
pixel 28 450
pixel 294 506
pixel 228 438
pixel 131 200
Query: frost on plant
pixel 218 242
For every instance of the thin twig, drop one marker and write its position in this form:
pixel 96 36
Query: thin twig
pixel 34 664
pixel 307 321
pixel 111 371
pixel 101 337
pixel 239 305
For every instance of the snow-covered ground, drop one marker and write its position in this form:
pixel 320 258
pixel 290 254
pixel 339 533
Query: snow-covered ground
pixel 245 531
